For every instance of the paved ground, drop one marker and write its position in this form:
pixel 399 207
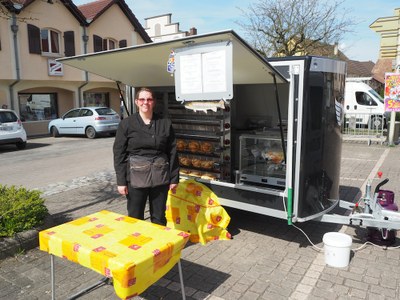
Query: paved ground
pixel 267 259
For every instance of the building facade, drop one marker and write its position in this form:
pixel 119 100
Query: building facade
pixel 34 33
pixel 160 28
pixel 389 30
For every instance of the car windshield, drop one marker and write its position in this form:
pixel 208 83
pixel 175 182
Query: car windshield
pixel 105 111
pixel 373 92
pixel 7 117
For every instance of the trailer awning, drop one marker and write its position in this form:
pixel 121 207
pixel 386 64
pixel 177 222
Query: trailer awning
pixel 146 64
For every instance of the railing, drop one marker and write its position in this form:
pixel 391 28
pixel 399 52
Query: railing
pixel 365 127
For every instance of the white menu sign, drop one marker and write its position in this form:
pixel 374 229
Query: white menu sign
pixel 204 72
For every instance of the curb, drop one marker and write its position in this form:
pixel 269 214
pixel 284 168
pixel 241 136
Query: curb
pixel 23 241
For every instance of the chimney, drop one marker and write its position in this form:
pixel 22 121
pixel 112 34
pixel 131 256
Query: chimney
pixel 336 49
pixel 193 31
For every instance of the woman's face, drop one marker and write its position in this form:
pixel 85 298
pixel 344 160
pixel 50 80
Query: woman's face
pixel 145 102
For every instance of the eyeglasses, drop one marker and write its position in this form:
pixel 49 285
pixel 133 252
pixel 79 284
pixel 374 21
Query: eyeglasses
pixel 144 99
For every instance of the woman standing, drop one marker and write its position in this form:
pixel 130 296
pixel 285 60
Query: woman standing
pixel 145 159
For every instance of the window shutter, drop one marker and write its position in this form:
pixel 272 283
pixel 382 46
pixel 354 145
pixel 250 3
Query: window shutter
pixel 105 44
pixel 97 43
pixel 69 43
pixel 122 43
pixel 34 39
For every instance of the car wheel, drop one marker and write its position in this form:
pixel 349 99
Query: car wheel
pixel 21 145
pixel 90 132
pixel 54 132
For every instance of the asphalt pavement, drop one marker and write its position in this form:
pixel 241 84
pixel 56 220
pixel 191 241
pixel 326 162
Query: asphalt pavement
pixel 266 259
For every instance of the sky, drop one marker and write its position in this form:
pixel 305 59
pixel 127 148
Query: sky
pixel 216 15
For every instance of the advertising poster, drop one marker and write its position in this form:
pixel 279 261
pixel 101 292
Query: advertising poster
pixel 392 92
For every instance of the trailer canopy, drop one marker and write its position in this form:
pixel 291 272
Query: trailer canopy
pixel 146 64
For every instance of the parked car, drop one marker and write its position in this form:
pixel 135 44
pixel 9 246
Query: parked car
pixel 90 121
pixel 11 129
pixel 364 105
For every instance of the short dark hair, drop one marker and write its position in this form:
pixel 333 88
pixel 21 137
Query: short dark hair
pixel 143 89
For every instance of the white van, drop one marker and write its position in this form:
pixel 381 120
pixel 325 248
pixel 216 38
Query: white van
pixel 363 105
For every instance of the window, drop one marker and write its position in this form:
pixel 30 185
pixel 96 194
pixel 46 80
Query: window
pixel 37 107
pixel 50 41
pixel 8 117
pixel 96 99
pixel 100 44
pixel 365 99
pixel 72 114
pixel 86 113
pixel 109 44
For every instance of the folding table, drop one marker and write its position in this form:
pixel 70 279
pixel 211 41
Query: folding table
pixel 134 253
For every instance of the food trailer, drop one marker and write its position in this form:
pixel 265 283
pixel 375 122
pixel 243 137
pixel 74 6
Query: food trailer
pixel 264 135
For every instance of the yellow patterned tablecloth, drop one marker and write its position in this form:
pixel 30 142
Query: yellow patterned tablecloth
pixel 194 208
pixel 134 253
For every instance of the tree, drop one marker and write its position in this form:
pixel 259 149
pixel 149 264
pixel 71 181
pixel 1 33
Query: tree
pixel 287 27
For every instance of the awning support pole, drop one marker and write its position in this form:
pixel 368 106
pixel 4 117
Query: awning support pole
pixel 121 96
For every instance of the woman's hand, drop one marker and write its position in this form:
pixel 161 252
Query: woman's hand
pixel 123 189
pixel 173 186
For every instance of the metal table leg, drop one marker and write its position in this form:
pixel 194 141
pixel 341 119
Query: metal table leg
pixel 103 281
pixel 53 290
pixel 181 279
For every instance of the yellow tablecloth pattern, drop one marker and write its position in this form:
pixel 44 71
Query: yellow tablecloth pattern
pixel 194 208
pixel 134 253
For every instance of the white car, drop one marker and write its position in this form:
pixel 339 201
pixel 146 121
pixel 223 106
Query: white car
pixel 11 129
pixel 89 121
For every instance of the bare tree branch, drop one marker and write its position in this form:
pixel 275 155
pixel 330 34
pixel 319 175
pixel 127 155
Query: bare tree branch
pixel 289 27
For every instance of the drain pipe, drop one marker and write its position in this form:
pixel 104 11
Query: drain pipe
pixel 85 39
pixel 14 29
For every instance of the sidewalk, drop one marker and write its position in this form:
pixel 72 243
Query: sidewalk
pixel 267 259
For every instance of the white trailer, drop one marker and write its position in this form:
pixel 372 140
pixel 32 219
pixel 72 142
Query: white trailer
pixel 265 135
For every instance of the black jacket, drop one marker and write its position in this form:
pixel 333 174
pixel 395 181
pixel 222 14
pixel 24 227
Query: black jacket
pixel 133 137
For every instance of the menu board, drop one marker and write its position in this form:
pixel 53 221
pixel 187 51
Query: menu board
pixel 204 72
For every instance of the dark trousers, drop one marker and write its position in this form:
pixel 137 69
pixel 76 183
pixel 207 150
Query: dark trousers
pixel 137 198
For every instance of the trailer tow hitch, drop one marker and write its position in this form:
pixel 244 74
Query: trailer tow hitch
pixel 376 212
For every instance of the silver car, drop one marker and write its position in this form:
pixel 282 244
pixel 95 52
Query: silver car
pixel 11 129
pixel 89 121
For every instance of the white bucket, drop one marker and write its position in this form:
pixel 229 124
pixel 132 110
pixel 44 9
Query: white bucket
pixel 337 249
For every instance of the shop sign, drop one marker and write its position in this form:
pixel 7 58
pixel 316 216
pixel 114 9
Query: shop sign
pixel 55 68
pixel 392 92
